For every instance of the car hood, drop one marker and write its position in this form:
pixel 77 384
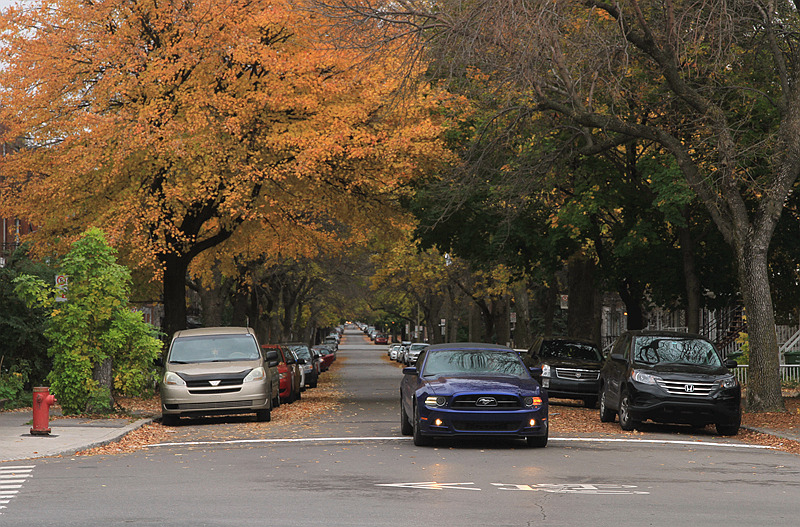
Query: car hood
pixel 683 370
pixel 450 385
pixel 210 368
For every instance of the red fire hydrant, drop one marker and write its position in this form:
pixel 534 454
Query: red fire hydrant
pixel 42 401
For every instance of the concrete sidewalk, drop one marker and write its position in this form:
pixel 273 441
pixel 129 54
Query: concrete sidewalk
pixel 67 436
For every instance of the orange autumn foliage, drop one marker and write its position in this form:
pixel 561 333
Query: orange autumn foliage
pixel 170 124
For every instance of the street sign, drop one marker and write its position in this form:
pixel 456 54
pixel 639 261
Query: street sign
pixel 61 288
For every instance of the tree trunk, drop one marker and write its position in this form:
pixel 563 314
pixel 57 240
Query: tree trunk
pixel 175 268
pixel 581 313
pixel 691 281
pixel 763 375
pixel 631 293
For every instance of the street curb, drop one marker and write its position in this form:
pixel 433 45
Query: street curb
pixel 122 433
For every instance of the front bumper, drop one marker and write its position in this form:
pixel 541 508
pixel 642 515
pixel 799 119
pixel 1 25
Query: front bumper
pixel 248 397
pixel 514 423
pixel 722 407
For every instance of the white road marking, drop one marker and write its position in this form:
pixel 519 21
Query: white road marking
pixel 430 485
pixel 405 438
pixel 12 477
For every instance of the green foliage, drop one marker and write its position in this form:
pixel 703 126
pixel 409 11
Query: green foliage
pixel 22 327
pixel 93 325
pixel 12 387
pixel 744 344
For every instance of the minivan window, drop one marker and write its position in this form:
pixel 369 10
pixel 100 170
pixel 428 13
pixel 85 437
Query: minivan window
pixel 217 348
pixel 674 350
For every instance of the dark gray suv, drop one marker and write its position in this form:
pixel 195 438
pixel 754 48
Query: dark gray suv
pixel 669 377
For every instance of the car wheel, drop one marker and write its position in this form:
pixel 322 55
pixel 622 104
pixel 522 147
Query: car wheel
pixel 170 419
pixel 626 422
pixel 590 402
pixel 537 441
pixel 419 438
pixel 406 428
pixel 727 430
pixel 263 416
pixel 607 415
pixel 299 394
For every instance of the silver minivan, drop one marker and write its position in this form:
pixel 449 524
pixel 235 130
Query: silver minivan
pixel 213 371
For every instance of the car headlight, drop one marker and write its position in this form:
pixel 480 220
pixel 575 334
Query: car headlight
pixel 532 402
pixel 644 378
pixel 435 401
pixel 256 374
pixel 727 382
pixel 545 370
pixel 173 379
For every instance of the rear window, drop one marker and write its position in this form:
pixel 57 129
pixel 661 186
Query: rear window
pixel 569 350
pixel 213 348
pixel 672 350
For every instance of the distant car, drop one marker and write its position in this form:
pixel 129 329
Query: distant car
pixel 467 389
pixel 311 365
pixel 218 370
pixel 394 349
pixel 570 367
pixel 381 339
pixel 413 351
pixel 327 356
pixel 669 377
pixel 288 371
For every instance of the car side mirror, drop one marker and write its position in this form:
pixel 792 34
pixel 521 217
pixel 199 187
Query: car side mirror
pixel 731 364
pixel 301 361
pixel 617 356
pixel 272 358
pixel 410 370
pixel 536 371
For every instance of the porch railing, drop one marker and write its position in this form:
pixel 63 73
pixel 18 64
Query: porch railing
pixel 789 373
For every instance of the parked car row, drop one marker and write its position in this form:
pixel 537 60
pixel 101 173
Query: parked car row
pixel 406 352
pixel 375 335
pixel 468 389
pixel 663 376
pixel 224 370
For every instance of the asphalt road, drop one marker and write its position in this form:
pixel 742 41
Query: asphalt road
pixel 379 478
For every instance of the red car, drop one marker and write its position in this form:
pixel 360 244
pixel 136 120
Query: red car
pixel 381 339
pixel 288 371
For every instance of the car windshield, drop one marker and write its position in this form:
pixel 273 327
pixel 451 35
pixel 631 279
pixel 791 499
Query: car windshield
pixel 569 350
pixel 478 362
pixel 675 350
pixel 213 348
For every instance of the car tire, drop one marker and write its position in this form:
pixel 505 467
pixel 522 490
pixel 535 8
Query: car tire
pixel 264 416
pixel 590 402
pixel 170 419
pixel 537 441
pixel 626 422
pixel 727 430
pixel 406 428
pixel 299 394
pixel 419 438
pixel 607 415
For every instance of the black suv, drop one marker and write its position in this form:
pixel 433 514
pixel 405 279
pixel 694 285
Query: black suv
pixel 570 367
pixel 669 377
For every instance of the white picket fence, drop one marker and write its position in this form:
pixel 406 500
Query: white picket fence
pixel 789 372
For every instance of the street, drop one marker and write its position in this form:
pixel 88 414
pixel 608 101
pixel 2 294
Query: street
pixel 353 467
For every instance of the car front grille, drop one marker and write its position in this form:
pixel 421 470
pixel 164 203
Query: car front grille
pixel 577 374
pixel 476 426
pixel 486 402
pixel 689 388
pixel 216 391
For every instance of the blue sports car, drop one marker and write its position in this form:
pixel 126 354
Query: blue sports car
pixel 468 389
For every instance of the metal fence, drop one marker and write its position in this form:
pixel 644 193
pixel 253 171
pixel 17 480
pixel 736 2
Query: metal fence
pixel 789 373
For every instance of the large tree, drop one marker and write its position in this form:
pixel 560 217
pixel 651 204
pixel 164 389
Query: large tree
pixel 714 83
pixel 175 124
